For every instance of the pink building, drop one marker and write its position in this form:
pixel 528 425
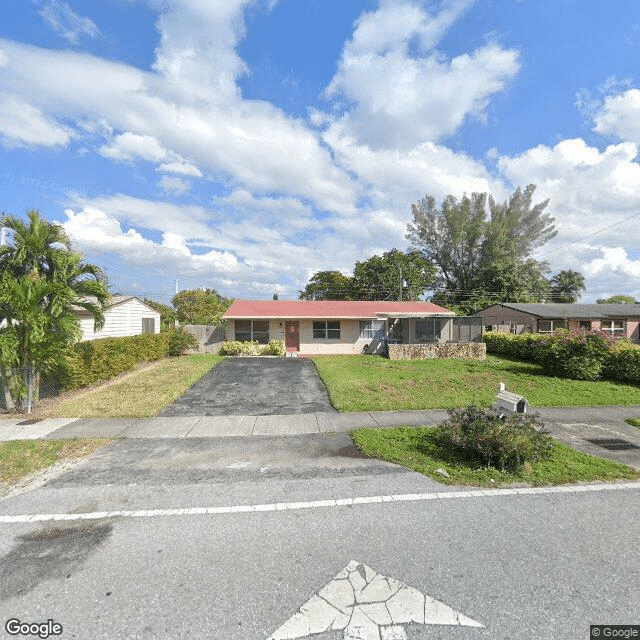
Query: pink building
pixel 621 320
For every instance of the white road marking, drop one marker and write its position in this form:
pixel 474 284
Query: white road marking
pixel 368 606
pixel 319 504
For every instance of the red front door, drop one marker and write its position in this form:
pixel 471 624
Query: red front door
pixel 291 335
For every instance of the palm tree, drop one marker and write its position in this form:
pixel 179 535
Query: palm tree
pixel 567 286
pixel 42 281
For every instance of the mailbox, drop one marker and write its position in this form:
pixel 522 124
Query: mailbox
pixel 508 403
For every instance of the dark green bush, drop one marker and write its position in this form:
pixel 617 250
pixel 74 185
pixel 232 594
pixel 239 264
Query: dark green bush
pixel 504 443
pixel 181 341
pixel 524 346
pixel 622 362
pixel 96 360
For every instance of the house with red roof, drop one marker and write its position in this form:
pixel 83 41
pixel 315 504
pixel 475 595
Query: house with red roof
pixel 339 326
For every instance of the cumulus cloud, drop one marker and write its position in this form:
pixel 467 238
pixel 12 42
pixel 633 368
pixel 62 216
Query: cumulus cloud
pixel 619 116
pixel 66 22
pixel 398 96
pixel 173 185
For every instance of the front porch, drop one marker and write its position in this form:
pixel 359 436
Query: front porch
pixel 414 337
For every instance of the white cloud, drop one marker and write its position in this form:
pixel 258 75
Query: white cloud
pixel 398 97
pixel 174 185
pixel 180 166
pixel 62 19
pixel 22 124
pixel 127 146
pixel 590 190
pixel 619 116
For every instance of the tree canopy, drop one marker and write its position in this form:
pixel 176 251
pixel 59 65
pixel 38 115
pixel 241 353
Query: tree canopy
pixel 198 306
pixel 618 299
pixel 567 286
pixel 394 275
pixel 42 282
pixel 482 249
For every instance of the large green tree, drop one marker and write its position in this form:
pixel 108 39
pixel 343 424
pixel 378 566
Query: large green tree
pixel 567 286
pixel 394 275
pixel 200 306
pixel 42 282
pixel 328 285
pixel 482 249
pixel 620 298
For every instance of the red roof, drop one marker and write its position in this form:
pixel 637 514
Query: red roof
pixel 329 309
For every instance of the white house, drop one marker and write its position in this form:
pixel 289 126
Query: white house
pixel 125 316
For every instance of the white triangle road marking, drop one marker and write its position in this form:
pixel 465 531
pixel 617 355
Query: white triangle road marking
pixel 368 606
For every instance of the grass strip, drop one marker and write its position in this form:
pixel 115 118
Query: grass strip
pixel 141 394
pixel 634 422
pixel 20 458
pixel 424 450
pixel 373 383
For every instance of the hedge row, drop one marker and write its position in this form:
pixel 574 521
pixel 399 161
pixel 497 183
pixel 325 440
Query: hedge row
pixel 96 360
pixel 581 355
pixel 253 348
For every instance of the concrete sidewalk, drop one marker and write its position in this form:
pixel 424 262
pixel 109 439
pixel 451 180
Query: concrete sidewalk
pixel 600 431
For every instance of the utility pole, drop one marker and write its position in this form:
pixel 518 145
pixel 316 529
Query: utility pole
pixel 177 276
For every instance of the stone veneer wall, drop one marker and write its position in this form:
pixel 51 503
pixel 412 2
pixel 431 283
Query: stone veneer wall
pixel 464 350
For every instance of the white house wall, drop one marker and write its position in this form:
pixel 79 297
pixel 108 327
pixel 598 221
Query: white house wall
pixel 124 319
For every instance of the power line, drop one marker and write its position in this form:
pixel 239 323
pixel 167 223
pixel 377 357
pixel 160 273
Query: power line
pixel 615 224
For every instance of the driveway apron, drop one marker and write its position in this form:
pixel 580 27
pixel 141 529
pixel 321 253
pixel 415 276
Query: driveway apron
pixel 255 386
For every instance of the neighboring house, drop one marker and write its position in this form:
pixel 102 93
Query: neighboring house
pixel 335 326
pixel 620 320
pixel 125 316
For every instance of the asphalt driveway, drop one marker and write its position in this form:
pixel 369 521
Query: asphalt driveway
pixel 255 387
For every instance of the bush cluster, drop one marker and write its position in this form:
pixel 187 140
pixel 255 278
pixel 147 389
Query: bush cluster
pixel 96 360
pixel 506 443
pixel 253 348
pixel 580 355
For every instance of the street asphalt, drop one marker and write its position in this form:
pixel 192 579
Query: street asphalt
pixel 600 431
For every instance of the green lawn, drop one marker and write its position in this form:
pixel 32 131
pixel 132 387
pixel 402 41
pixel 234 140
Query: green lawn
pixel 424 451
pixel 140 394
pixel 19 458
pixel 373 383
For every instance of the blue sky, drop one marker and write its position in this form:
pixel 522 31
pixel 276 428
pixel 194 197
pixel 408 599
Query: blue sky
pixel 245 144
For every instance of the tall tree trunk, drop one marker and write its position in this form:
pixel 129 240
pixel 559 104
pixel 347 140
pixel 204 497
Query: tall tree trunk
pixel 6 386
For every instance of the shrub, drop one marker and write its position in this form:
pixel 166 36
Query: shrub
pixel 575 354
pixel 622 362
pixel 96 360
pixel 525 346
pixel 505 443
pixel 181 341
pixel 253 348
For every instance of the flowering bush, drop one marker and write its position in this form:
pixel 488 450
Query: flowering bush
pixel 575 354
pixel 524 346
pixel 505 443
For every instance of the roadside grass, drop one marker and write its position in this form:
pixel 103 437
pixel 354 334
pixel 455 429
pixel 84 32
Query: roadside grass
pixel 424 450
pixel 373 383
pixel 634 422
pixel 143 393
pixel 20 458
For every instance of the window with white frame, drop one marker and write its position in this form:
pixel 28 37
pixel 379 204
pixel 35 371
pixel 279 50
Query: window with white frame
pixel 370 329
pixel 247 330
pixel 326 329
pixel 614 327
pixel 545 326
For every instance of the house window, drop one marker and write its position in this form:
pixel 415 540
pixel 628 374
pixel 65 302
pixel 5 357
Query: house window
pixel 545 326
pixel 370 329
pixel 252 330
pixel 614 327
pixel 326 330
pixel 148 325
pixel 427 330
pixel 585 324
